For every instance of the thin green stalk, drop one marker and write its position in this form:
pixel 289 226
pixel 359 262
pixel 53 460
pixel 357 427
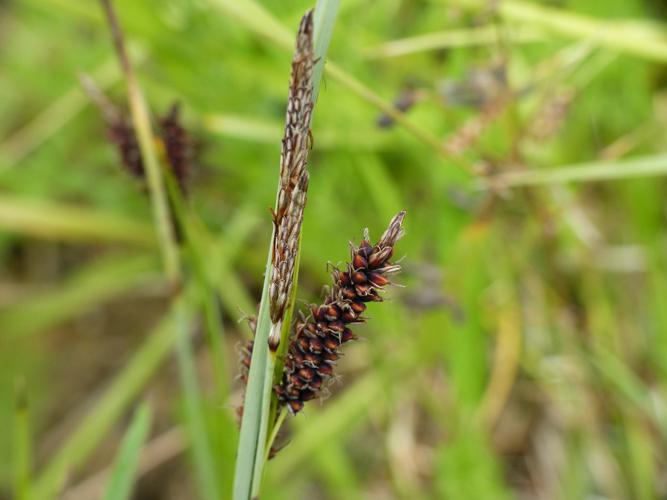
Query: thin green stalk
pixel 252 437
pixel 274 433
pixel 194 415
pixel 92 284
pixel 646 166
pixel 146 139
pixel 199 252
pixel 324 21
pixel 484 35
pixel 60 222
pixel 647 42
pixel 125 386
pixel 124 471
pixel 27 138
pixel 22 446
pixel 99 420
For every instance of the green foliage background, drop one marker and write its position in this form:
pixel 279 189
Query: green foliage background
pixel 526 355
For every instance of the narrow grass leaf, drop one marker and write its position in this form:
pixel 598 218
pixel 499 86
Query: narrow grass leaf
pixel 94 425
pixel 22 446
pixel 646 41
pixel 484 35
pixel 124 470
pixel 194 415
pixel 90 286
pixel 61 222
pixel 324 21
pixel 645 166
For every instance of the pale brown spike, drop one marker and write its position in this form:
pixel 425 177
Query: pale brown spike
pixel 291 199
pixel 394 232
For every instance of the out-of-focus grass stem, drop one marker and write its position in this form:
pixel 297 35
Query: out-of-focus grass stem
pixel 142 126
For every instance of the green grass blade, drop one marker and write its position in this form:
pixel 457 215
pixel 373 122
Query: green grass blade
pixel 61 222
pixel 99 420
pixel 645 166
pixel 646 41
pixel 125 465
pixel 95 283
pixel 252 437
pixel 484 35
pixel 194 416
pixel 22 446
pixel 47 123
pixel 324 21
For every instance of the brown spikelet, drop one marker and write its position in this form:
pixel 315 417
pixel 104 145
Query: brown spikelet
pixel 121 133
pixel 245 355
pixel 177 145
pixel 314 349
pixel 288 215
pixel 172 135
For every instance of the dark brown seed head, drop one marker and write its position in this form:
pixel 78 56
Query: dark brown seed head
pixel 331 313
pixel 350 316
pixel 313 352
pixel 380 256
pixel 329 356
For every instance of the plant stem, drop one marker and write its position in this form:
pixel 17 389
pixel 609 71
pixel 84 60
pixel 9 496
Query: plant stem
pixel 257 413
pixel 646 166
pixel 142 126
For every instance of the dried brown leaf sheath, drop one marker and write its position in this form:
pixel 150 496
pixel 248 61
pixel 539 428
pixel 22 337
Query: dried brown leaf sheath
pixel 288 216
pixel 314 349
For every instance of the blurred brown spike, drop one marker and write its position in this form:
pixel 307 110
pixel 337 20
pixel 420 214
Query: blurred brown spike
pixel 121 133
pixel 177 145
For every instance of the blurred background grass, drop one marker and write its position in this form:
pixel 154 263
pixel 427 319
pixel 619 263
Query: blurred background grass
pixel 526 356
